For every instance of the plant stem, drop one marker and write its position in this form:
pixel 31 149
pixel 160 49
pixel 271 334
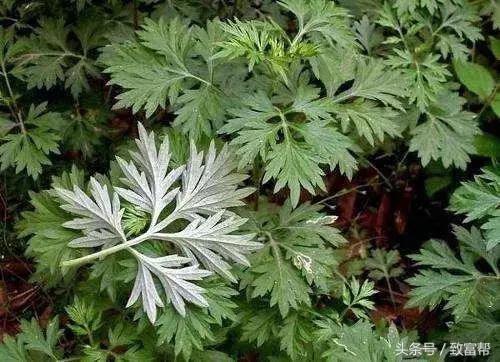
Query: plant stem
pixel 135 15
pixel 386 180
pixel 190 75
pixel 151 233
pixel 495 268
pixel 342 193
pixel 488 101
pixel 13 107
pixel 100 254
pixel 29 56
pixel 297 38
pixel 342 315
pixel 256 178
pixel 274 246
pixel 393 301
pixel 339 274
pixel 89 334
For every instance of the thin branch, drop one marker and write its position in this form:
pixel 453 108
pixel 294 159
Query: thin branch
pixel 386 180
pixel 13 107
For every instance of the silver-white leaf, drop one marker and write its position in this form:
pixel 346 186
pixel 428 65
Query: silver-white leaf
pixel 211 187
pixel 210 239
pixel 202 191
pixel 173 280
pixel 101 212
pixel 93 239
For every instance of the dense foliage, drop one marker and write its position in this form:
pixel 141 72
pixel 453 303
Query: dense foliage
pixel 291 161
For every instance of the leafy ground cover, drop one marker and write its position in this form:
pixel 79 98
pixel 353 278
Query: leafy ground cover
pixel 249 180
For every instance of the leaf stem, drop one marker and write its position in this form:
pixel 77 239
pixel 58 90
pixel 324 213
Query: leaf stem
pixel 100 254
pixel 275 248
pixel 149 234
pixel 190 75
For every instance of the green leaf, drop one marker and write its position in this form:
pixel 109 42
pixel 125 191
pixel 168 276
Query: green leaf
pixel 6 125
pixel 20 151
pixel 94 354
pixel 35 340
pixel 28 150
pixel 85 314
pixel 492 227
pixel 439 256
pixel 360 342
pixel 371 121
pixel 294 336
pixel 479 199
pixel 110 273
pixel 187 333
pixel 306 236
pixel 495 104
pixel 327 329
pixel 366 34
pixel 201 111
pixel 49 56
pixel 295 166
pixel 292 149
pixel 32 339
pixel 218 296
pixel 48 239
pixel 298 252
pixel 211 356
pixel 495 15
pixel 12 350
pixel 473 242
pixel 404 6
pixel 383 264
pixel 330 146
pixel 153 70
pixel 475 77
pixel 487 145
pixel 257 41
pixel 122 346
pixel 334 66
pixel 372 80
pixel 451 45
pixel 461 20
pixel 122 334
pixel 465 289
pixel 495 47
pixel 261 327
pixel 435 184
pixel 283 282
pixel 462 293
pixel 176 62
pixel 425 78
pixel 357 296
pixel 447 134
pixel 322 17
pixel 479 328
